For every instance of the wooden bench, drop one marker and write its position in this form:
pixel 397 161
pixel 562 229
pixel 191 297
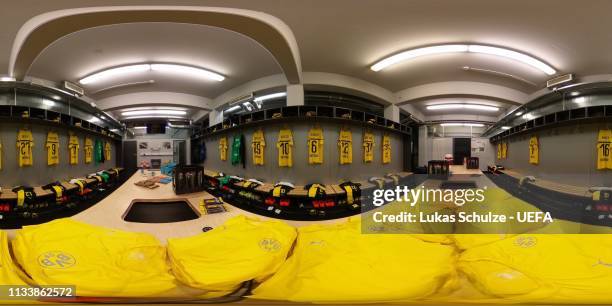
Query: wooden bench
pixel 554 186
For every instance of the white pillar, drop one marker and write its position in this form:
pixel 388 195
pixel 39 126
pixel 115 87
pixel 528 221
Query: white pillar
pixel 392 112
pixel 295 95
pixel 215 117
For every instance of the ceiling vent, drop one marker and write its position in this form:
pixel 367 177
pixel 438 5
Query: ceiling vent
pixel 240 99
pixel 554 83
pixel 74 88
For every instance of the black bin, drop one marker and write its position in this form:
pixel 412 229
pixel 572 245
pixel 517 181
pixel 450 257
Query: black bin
pixel 188 179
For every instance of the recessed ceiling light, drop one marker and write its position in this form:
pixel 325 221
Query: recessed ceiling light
pixel 488 108
pixel 188 71
pixel 518 114
pixel 462 124
pixel 193 72
pixel 231 109
pixel 580 99
pixel 152 116
pixel 7 79
pixel 461 48
pixel 113 72
pixel 154 112
pixel 140 127
pixel 505 127
pixel 270 96
pixel 574 93
pixel 48 102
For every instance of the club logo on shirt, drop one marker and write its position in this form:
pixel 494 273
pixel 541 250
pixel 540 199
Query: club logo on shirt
pixel 525 242
pixel 270 245
pixel 56 260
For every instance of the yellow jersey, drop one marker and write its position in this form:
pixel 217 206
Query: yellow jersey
pixel 73 149
pixel 315 146
pixel 504 151
pixel 285 148
pixel 52 146
pixel 386 149
pixel 258 146
pixel 534 151
pixel 604 141
pixel 223 148
pixel 108 151
pixel 25 142
pixel 499 151
pixel 345 147
pixel 88 150
pixel 368 147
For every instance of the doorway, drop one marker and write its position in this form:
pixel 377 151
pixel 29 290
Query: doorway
pixel 462 148
pixel 130 158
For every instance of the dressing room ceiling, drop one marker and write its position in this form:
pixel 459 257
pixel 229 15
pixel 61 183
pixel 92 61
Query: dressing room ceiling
pixel 341 36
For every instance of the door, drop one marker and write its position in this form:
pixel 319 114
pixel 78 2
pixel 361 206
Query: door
pixel 180 152
pixel 462 148
pixel 130 159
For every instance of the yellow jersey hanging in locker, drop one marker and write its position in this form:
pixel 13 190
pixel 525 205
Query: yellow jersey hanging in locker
pixel 499 150
pixel 25 142
pixel 368 147
pixel 534 151
pixel 108 151
pixel 504 151
pixel 345 147
pixel 604 142
pixel 386 149
pixel 223 148
pixel 315 146
pixel 285 148
pixel 258 145
pixel 88 150
pixel 52 148
pixel 73 149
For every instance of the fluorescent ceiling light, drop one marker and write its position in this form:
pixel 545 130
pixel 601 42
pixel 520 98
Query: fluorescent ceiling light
pixel 193 72
pixel 140 127
pixel 462 124
pixel 463 106
pixel 528 116
pixel 189 71
pixel 48 102
pixel 410 54
pixel 580 100
pixel 440 49
pixel 152 116
pixel 154 112
pixel 270 96
pixel 109 73
pixel 574 93
pixel 518 114
pixel 233 108
pixel 505 127
pixel 517 56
